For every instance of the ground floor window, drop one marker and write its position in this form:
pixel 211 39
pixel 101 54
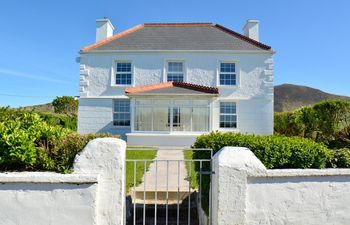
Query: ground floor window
pixel 121 112
pixel 228 116
pixel 171 115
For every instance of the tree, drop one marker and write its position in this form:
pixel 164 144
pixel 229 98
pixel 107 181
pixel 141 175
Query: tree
pixel 65 105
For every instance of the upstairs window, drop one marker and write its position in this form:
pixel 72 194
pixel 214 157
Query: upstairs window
pixel 123 73
pixel 121 113
pixel 175 72
pixel 227 74
pixel 228 116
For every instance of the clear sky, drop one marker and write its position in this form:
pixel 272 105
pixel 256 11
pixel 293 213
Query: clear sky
pixel 40 40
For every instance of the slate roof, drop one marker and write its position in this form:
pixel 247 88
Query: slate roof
pixel 172 87
pixel 177 36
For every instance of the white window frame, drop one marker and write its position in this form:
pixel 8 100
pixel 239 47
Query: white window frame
pixel 114 112
pixel 237 73
pixel 235 114
pixel 166 69
pixel 114 74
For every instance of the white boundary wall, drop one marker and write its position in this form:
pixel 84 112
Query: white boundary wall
pixel 92 195
pixel 245 192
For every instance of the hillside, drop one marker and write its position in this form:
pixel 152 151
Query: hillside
pixel 40 108
pixel 289 97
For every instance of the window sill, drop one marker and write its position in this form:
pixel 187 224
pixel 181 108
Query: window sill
pixel 122 85
pixel 121 127
pixel 228 86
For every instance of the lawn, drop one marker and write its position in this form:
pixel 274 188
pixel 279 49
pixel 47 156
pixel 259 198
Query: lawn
pixel 139 153
pixel 191 174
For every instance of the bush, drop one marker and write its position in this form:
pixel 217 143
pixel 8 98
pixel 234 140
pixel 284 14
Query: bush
pixel 65 105
pixel 59 153
pixel 28 142
pixel 273 151
pixel 341 158
pixel 285 124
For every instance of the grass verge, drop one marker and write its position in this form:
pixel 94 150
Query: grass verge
pixel 134 152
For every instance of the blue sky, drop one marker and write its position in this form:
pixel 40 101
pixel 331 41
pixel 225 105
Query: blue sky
pixel 39 40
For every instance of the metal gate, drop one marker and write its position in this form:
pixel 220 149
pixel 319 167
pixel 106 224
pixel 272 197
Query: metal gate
pixel 173 190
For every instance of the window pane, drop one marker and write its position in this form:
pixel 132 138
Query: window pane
pixel 143 118
pixel 123 78
pixel 228 117
pixel 160 119
pixel 227 79
pixel 123 67
pixel 228 67
pixel 121 116
pixel 175 67
pixel 200 119
pixel 178 77
pixel 228 107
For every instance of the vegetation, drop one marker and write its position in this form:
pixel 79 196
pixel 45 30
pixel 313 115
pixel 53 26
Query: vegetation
pixel 33 141
pixel 327 122
pixel 65 105
pixel 147 153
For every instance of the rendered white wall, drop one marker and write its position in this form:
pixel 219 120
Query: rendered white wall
pixel 254 93
pixel 274 197
pixel 92 195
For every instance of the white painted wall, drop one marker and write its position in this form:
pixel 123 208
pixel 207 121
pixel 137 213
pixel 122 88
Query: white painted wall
pixel 92 195
pixel 254 92
pixel 245 192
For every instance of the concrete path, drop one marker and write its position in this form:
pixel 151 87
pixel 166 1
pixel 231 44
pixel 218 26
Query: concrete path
pixel 176 172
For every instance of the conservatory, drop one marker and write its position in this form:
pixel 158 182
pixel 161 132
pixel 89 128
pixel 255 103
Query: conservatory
pixel 170 110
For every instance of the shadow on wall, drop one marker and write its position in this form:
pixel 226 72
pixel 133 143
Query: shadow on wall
pixel 110 128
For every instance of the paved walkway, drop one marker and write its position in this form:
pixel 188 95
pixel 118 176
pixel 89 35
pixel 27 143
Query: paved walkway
pixel 158 171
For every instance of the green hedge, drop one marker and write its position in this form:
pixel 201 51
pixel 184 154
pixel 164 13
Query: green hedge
pixel 273 151
pixel 28 142
pixel 65 121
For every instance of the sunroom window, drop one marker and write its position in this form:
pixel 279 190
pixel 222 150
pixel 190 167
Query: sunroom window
pixel 227 74
pixel 123 73
pixel 171 115
pixel 175 72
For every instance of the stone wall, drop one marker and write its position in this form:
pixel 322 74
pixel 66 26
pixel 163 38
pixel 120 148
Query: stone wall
pixel 245 192
pixel 92 195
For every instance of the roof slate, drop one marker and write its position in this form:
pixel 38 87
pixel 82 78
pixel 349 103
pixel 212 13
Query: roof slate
pixel 184 36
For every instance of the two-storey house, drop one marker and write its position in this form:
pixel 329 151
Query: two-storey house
pixel 165 84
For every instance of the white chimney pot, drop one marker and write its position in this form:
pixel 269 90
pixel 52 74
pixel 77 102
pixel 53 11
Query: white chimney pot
pixel 251 29
pixel 104 29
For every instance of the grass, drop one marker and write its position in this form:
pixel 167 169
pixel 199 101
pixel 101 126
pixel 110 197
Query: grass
pixel 194 176
pixel 147 152
pixel 191 174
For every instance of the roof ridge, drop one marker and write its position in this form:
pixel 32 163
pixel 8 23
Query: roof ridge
pixel 176 24
pixel 242 37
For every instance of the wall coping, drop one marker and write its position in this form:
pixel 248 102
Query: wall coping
pixel 47 177
pixel 302 173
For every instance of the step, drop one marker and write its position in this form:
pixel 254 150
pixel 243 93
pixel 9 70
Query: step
pixel 173 197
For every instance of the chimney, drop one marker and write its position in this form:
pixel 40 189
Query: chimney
pixel 251 29
pixel 104 29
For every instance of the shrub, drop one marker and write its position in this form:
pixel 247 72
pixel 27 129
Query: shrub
pixel 341 158
pixel 273 151
pixel 59 153
pixel 28 142
pixel 65 105
pixel 285 124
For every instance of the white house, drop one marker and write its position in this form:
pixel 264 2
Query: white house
pixel 165 84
